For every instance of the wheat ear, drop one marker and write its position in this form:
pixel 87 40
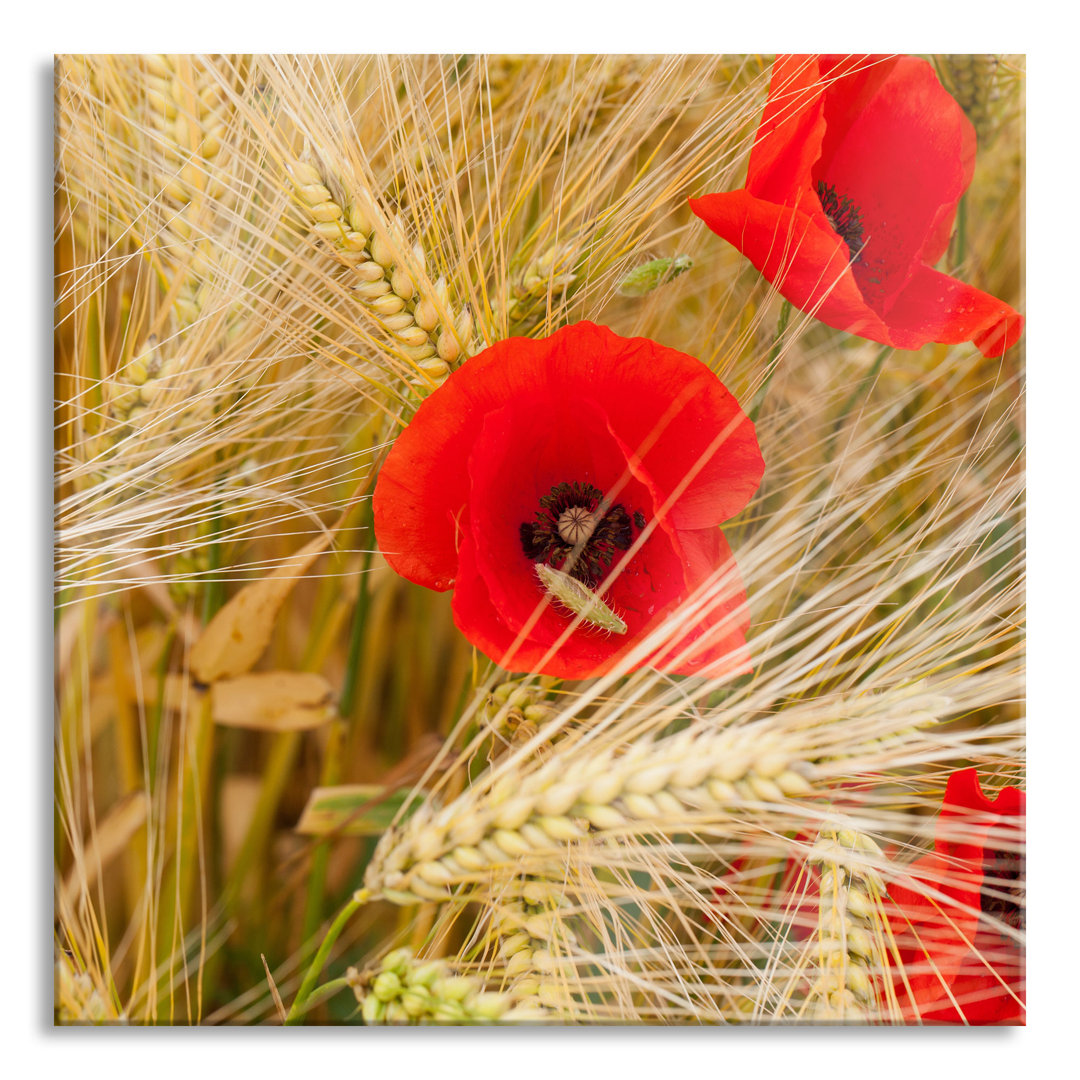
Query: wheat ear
pixel 390 280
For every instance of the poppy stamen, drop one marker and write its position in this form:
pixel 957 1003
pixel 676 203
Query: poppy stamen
pixel 844 216
pixel 1003 890
pixel 575 531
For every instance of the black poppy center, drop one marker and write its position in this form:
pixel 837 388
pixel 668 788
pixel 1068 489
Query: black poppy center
pixel 1003 887
pixel 577 532
pixel 844 216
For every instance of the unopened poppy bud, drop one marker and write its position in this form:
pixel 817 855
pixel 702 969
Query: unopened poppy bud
pixel 576 598
pixel 651 275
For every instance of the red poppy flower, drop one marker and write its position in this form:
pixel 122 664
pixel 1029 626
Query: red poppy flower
pixel 851 191
pixel 609 459
pixel 959 961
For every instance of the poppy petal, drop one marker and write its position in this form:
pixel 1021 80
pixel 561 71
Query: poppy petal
pixel 715 644
pixel 672 413
pixel 907 201
pixel 568 448
pixel 651 429
pixel 808 263
pixel 936 307
pixel 788 140
pixel 862 160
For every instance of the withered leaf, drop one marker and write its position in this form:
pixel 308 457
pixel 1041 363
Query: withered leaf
pixel 273 701
pixel 237 635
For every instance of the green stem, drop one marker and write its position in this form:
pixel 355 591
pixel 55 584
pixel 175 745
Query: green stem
pixel 320 859
pixel 327 990
pixel 214 594
pixel 300 1002
pixel 781 326
pixel 961 232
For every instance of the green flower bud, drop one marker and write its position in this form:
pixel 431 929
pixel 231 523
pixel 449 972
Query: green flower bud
pixel 651 275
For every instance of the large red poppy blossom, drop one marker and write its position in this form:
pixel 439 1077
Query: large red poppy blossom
pixel 611 459
pixel 851 191
pixel 957 924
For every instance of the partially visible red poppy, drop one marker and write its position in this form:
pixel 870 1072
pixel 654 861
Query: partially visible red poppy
pixel 851 192
pixel 609 458
pixel 957 924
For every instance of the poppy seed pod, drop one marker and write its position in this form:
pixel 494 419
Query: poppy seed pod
pixel 607 459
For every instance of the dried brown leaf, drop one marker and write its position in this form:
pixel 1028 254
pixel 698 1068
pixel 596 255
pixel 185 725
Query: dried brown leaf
pixel 237 635
pixel 273 701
